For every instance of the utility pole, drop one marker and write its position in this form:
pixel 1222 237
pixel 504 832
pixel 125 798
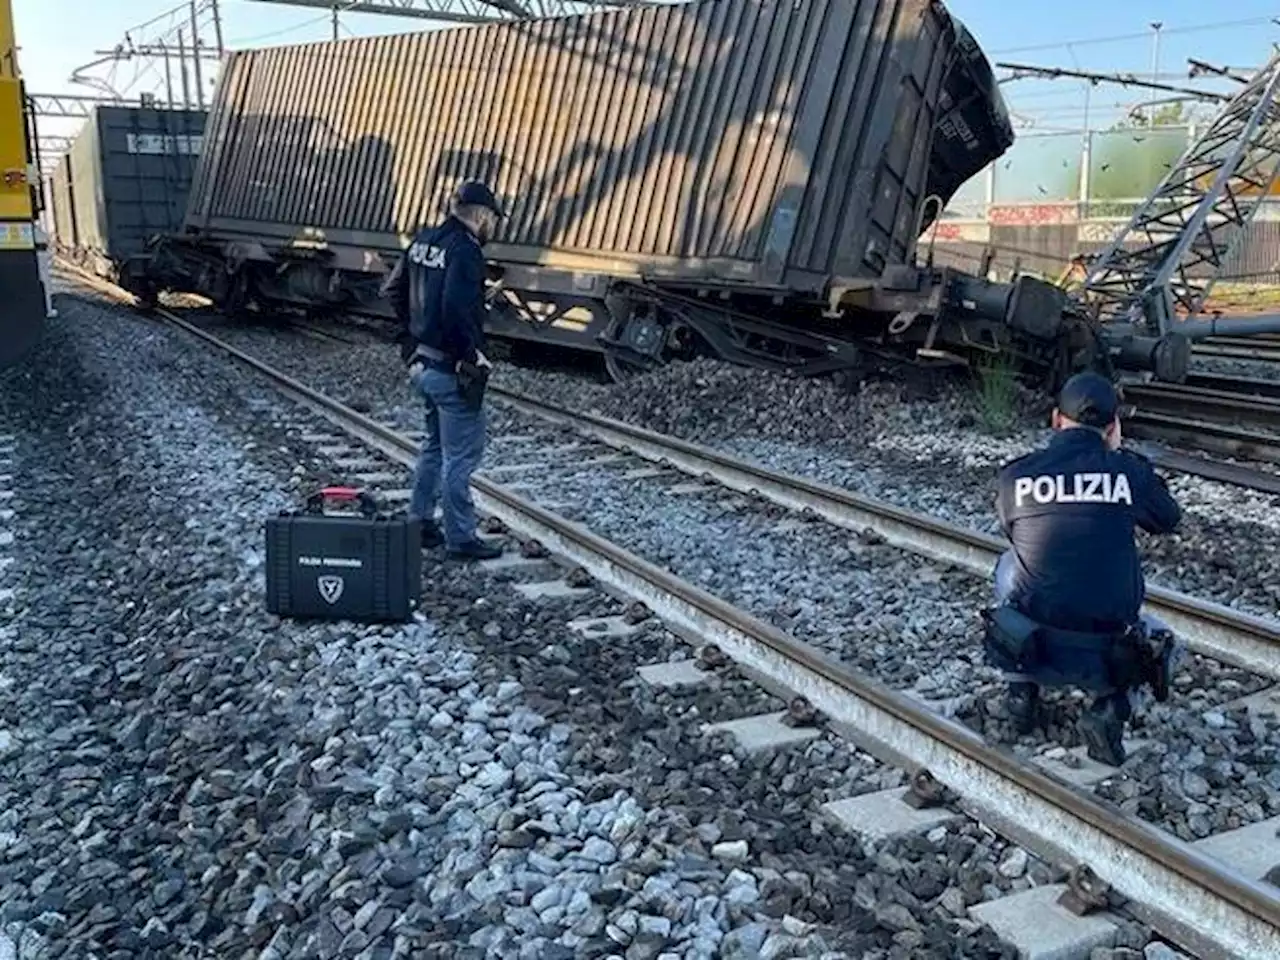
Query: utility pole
pixel 335 21
pixel 1086 153
pixel 1155 68
pixel 195 56
pixel 217 28
pixel 168 73
pixel 182 59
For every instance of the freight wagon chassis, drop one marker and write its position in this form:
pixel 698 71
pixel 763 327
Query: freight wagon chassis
pixel 925 317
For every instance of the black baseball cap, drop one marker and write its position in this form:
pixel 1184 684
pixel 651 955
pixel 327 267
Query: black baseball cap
pixel 1089 399
pixel 474 193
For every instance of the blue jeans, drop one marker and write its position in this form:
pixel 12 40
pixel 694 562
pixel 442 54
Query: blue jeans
pixel 1004 574
pixel 450 453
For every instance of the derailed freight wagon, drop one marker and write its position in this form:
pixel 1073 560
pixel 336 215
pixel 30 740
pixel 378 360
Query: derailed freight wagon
pixel 124 181
pixel 742 177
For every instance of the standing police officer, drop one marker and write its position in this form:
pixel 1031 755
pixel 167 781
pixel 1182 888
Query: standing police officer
pixel 437 290
pixel 1070 589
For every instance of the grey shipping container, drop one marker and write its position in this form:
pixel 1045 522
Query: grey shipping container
pixel 773 144
pixel 125 179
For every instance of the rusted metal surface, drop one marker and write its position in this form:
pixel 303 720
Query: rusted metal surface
pixel 752 141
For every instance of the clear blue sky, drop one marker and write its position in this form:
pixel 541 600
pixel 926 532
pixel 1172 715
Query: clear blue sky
pixel 56 36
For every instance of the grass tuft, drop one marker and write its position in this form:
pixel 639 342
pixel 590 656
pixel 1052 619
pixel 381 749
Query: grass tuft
pixel 997 393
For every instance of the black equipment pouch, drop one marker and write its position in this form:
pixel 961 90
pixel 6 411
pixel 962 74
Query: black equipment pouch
pixel 1128 659
pixel 472 380
pixel 1013 640
pixel 1157 648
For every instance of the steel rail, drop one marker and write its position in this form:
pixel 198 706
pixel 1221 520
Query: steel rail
pixel 1214 629
pixel 1195 899
pixel 1242 386
pixel 1219 470
pixel 1216 438
pixel 1192 897
pixel 1202 402
pixel 1238 348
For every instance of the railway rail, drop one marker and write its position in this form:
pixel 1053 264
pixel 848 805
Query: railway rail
pixel 1229 416
pixel 1261 347
pixel 1194 899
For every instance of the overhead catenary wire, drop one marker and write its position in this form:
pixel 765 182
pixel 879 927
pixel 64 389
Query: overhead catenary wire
pixel 343 6
pixel 1143 35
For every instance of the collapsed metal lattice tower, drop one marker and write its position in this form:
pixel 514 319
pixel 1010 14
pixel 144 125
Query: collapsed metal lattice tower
pixel 1164 262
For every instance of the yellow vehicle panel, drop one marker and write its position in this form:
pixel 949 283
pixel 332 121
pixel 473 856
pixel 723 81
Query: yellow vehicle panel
pixel 15 190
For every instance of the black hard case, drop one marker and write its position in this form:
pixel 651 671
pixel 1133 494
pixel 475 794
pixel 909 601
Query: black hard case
pixel 365 566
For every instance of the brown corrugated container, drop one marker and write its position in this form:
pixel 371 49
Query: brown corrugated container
pixel 62 200
pixel 776 143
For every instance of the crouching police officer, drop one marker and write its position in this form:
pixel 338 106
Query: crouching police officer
pixel 1069 590
pixel 437 290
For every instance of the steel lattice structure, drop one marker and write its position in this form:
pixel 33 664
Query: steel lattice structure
pixel 461 11
pixel 69 105
pixel 1166 259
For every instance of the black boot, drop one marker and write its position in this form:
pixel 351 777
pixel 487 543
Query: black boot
pixel 475 549
pixel 431 536
pixel 1102 728
pixel 1023 704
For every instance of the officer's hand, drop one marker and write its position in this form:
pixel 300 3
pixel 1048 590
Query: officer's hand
pixel 416 369
pixel 482 360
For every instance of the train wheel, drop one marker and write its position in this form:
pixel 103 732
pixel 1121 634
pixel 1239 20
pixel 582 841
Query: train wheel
pixel 635 343
pixel 146 298
pixel 621 369
pixel 236 303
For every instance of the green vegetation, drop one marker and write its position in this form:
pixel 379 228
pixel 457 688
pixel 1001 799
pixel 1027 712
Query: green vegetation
pixel 1166 115
pixel 997 393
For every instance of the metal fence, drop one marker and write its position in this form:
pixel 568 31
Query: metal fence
pixel 1102 173
pixel 1055 196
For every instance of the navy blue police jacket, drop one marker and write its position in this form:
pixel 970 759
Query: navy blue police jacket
pixel 437 290
pixel 1070 511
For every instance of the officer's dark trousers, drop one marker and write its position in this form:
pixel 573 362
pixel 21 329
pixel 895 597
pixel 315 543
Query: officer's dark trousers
pixel 450 454
pixel 1126 701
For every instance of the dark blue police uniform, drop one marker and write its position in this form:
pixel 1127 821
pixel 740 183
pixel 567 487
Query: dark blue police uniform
pixel 1070 512
pixel 437 291
pixel 439 296
pixel 1071 586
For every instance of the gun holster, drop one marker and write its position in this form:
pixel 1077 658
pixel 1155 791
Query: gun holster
pixel 472 380
pixel 1158 648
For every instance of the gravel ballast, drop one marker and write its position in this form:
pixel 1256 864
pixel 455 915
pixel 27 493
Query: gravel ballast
pixel 184 775
pixel 902 620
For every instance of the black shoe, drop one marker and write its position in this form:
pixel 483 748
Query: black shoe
pixel 1102 730
pixel 431 536
pixel 475 550
pixel 1023 704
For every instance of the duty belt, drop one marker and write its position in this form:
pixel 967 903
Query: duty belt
pixel 435 358
pixel 1130 656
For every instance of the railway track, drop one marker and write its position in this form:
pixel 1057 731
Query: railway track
pixel 1218 631
pixel 1263 347
pixel 1194 899
pixel 1228 416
